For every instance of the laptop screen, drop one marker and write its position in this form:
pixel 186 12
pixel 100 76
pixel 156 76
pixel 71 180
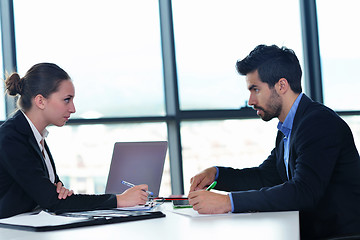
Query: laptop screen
pixel 136 163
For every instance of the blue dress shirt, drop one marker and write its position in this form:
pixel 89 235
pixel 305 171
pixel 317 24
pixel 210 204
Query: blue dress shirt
pixel 285 128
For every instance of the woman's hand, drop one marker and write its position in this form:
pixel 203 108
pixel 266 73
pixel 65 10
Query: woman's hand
pixel 133 196
pixel 62 191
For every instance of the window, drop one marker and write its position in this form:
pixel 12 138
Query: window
pixel 354 124
pixel 110 48
pixel 83 153
pixel 2 87
pixel 210 36
pixel 112 51
pixel 340 53
pixel 229 143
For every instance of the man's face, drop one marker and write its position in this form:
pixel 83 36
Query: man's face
pixel 263 99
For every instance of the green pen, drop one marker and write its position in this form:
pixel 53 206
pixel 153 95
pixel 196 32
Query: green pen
pixel 211 186
pixel 185 203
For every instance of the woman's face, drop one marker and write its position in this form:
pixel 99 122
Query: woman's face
pixel 60 104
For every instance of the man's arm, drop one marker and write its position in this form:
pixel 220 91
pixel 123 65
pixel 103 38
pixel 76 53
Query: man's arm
pixel 314 153
pixel 265 175
pixel 230 179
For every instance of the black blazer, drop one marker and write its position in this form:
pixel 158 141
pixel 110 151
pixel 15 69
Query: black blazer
pixel 24 178
pixel 324 169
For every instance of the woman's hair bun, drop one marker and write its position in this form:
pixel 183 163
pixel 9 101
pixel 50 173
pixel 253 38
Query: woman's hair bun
pixel 14 84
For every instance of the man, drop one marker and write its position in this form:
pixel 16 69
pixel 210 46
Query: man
pixel 314 167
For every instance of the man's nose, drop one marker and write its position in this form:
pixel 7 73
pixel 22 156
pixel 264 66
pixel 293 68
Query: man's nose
pixel 252 100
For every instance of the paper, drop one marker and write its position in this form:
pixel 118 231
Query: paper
pixel 148 206
pixel 41 219
pixel 96 214
pixel 136 208
pixel 189 212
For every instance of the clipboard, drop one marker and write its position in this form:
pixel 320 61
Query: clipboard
pixel 45 221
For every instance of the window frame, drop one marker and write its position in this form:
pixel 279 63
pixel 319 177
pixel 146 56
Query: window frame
pixel 174 116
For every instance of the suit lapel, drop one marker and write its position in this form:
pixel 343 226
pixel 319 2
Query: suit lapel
pixel 23 127
pixel 292 157
pixel 303 105
pixel 51 161
pixel 280 153
pixel 35 146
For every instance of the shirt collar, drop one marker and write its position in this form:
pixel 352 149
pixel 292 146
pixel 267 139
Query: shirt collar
pixel 36 133
pixel 286 126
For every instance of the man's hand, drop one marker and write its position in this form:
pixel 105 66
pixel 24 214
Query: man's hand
pixel 133 196
pixel 203 179
pixel 62 191
pixel 206 202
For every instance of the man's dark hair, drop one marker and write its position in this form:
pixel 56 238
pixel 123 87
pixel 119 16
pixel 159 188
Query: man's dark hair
pixel 272 64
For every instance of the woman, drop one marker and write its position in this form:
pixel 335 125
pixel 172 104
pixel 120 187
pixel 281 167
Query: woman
pixel 28 176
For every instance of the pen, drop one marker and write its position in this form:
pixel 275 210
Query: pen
pixel 211 186
pixel 132 185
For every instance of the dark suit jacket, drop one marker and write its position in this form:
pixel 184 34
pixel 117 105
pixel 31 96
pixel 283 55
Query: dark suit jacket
pixel 24 178
pixel 324 180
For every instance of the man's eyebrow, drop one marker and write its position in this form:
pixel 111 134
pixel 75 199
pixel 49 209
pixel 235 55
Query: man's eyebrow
pixel 252 87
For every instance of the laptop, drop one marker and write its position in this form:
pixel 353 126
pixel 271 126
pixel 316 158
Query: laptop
pixel 136 163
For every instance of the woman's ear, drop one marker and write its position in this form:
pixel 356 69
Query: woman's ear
pixel 40 101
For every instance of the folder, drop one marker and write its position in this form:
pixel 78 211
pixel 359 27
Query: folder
pixel 46 221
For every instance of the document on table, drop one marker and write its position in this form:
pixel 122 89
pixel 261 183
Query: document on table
pixel 44 221
pixel 146 207
pixel 136 208
pixel 40 219
pixel 190 212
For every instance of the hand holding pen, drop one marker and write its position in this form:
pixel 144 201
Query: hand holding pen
pixel 133 196
pixel 202 179
pixel 133 185
pixel 211 186
pixel 206 202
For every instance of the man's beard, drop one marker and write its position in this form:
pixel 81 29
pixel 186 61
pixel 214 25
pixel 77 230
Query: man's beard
pixel 274 107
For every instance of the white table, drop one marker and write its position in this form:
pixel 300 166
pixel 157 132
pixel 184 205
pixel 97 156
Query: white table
pixel 271 225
